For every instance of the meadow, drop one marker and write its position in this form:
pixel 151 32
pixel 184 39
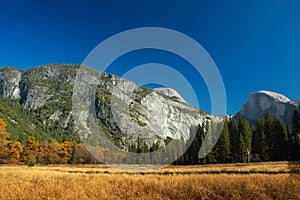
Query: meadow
pixel 276 180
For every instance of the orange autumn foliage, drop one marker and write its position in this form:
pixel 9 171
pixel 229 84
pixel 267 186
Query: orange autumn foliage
pixel 10 152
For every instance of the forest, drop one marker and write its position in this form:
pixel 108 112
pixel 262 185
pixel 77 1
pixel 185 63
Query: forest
pixel 269 140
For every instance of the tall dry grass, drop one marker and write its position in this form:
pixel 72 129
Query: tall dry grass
pixel 60 182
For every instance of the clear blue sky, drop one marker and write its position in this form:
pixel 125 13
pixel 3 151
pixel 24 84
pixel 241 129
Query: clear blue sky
pixel 254 43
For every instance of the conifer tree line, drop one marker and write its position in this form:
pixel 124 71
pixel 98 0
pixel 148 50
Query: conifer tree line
pixel 269 140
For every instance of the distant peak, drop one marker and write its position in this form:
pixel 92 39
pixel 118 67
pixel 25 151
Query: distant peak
pixel 276 96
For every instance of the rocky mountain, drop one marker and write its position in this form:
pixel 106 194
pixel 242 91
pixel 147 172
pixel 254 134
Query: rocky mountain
pixel 63 99
pixel 9 83
pixel 265 101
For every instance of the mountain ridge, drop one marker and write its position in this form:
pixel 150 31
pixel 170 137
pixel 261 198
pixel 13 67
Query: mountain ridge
pixel 47 91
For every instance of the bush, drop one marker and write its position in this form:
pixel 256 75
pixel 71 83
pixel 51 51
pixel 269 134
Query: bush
pixel 30 164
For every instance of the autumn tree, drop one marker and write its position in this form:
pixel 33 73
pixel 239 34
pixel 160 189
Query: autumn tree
pixel 15 151
pixel 71 149
pixel 4 149
pixel 10 152
pixel 3 133
pixel 31 150
pixel 83 156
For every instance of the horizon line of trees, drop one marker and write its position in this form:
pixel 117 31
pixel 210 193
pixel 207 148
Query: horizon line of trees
pixel 269 140
pixel 32 151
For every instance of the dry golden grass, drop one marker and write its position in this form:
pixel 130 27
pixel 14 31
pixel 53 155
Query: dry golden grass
pixel 100 182
pixel 263 167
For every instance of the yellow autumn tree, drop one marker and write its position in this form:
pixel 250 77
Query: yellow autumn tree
pixel 70 148
pixel 84 156
pixel 31 150
pixel 15 151
pixel 3 133
pixel 4 150
pixel 10 152
pixel 58 154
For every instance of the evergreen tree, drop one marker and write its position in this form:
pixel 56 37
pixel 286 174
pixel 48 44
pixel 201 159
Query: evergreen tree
pixel 290 143
pixel 280 141
pixel 180 150
pixel 222 147
pixel 264 148
pixel 256 138
pixel 244 145
pixel 145 154
pixel 259 142
pixel 191 154
pixel 131 157
pixel 200 138
pixel 296 135
pixel 210 137
pixel 296 121
pixel 234 140
pixel 268 133
pixel 154 157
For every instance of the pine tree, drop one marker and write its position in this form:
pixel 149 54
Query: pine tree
pixel 296 121
pixel 179 145
pixel 268 130
pixel 223 145
pixel 264 147
pixel 146 154
pixel 191 154
pixel 234 140
pixel 154 157
pixel 244 140
pixel 290 143
pixel 256 138
pixel 200 138
pixel 259 142
pixel 280 141
pixel 296 135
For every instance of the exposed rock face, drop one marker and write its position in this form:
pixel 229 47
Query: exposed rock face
pixel 9 83
pixel 136 113
pixel 43 88
pixel 46 84
pixel 132 112
pixel 264 101
pixel 170 93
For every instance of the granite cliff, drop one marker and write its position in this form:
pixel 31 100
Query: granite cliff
pixel 126 111
pixel 265 101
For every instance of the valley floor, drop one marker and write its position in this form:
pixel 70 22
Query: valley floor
pixel 276 180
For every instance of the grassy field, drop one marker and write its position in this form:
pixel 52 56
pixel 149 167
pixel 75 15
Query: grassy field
pixel 233 181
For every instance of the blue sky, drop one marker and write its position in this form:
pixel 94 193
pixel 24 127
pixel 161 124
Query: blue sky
pixel 255 44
